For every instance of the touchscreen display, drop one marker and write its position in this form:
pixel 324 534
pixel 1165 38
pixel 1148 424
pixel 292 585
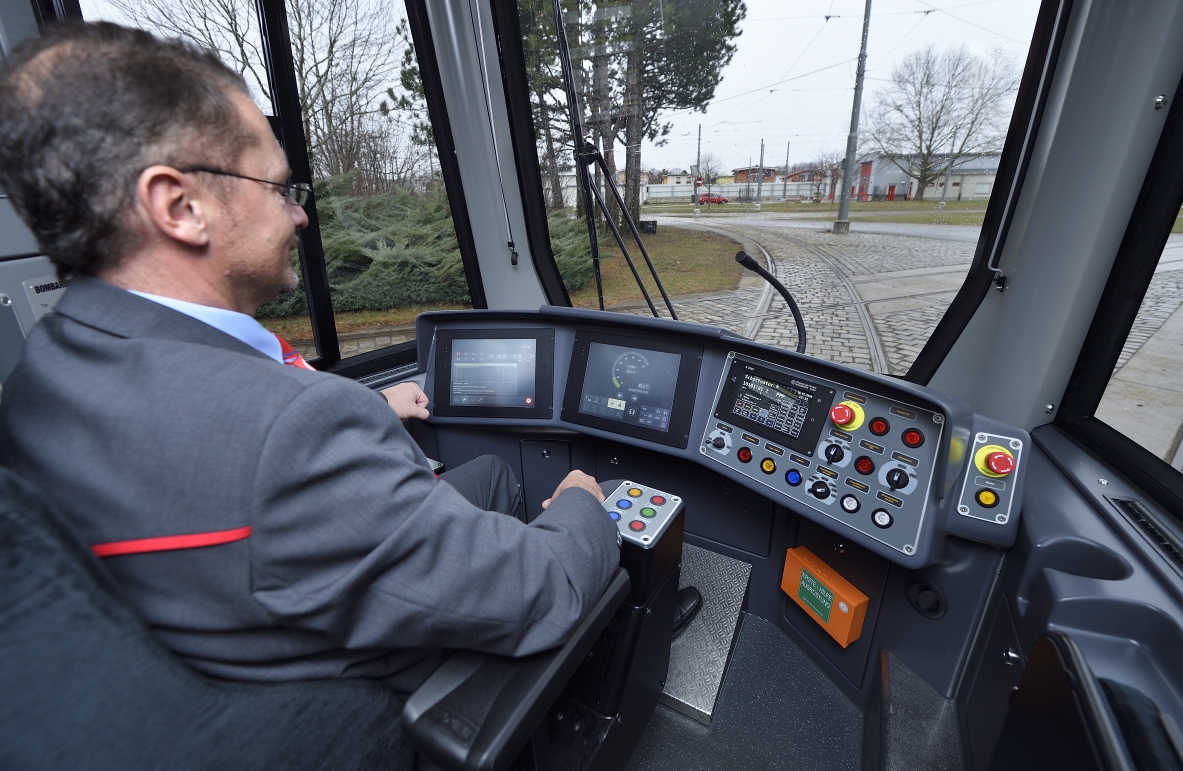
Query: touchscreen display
pixel 493 372
pixel 632 385
pixel 782 407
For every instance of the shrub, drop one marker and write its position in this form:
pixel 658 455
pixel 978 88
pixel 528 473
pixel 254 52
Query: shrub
pixel 399 248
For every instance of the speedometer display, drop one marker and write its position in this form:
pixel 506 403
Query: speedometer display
pixel 631 385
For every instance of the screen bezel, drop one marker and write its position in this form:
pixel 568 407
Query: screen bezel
pixel 685 389
pixel 544 365
pixel 807 442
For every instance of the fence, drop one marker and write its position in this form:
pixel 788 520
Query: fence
pixel 734 192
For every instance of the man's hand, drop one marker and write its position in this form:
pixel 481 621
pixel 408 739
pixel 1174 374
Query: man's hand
pixel 580 480
pixel 408 401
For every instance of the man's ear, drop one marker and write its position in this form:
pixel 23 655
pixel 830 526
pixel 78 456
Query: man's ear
pixel 173 206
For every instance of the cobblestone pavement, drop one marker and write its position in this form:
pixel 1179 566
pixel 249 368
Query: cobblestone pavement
pixel 869 300
pixel 1163 298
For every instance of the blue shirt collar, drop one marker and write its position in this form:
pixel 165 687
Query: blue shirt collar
pixel 237 325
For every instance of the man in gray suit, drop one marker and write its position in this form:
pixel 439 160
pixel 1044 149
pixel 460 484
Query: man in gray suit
pixel 268 522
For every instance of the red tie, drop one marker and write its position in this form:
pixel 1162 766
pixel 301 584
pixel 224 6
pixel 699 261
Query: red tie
pixel 291 356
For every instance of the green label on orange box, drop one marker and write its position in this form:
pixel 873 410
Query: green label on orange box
pixel 815 594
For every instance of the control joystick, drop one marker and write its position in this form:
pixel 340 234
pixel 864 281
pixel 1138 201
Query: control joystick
pixel 719 443
pixel 834 453
pixel 897 479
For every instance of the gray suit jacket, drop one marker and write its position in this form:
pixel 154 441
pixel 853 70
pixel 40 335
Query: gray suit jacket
pixel 138 422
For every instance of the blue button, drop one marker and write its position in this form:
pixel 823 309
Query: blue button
pixel 615 515
pixel 793 477
pixel 624 503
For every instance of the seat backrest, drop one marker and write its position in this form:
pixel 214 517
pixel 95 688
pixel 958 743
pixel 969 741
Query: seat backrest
pixel 85 685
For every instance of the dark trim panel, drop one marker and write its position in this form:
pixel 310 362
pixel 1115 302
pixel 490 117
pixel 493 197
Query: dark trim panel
pixel 48 11
pixel 285 96
pixel 1012 170
pixel 375 361
pixel 441 125
pixel 1144 469
pixel 1133 268
pixel 525 148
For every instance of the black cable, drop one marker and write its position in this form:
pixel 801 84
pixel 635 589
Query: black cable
pixel 749 262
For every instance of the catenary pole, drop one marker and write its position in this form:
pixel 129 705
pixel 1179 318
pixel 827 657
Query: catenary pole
pixel 785 192
pixel 697 168
pixel 843 223
pixel 760 179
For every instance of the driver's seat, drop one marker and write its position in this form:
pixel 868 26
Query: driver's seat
pixel 86 685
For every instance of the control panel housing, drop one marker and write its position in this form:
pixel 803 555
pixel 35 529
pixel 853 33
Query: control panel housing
pixel 891 465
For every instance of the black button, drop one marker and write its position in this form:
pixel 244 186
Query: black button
pixel 897 479
pixel 820 490
pixel 834 453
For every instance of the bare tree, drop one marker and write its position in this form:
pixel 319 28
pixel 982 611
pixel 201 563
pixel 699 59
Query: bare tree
pixel 940 109
pixel 710 168
pixel 824 170
pixel 344 57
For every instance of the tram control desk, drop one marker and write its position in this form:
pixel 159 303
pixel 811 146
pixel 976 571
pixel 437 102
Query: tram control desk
pixel 896 468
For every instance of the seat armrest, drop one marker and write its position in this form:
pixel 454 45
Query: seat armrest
pixel 477 710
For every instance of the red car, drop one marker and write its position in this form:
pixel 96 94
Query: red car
pixel 711 199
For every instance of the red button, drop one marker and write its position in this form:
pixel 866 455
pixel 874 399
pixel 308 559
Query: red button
pixel 841 414
pixel 913 438
pixel 636 525
pixel 657 500
pixel 879 426
pixel 864 465
pixel 1000 462
pixel 744 455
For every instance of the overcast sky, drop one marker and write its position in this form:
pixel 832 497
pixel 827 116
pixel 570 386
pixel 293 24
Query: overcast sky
pixel 792 77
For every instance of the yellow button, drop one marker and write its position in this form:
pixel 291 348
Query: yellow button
pixel 987 498
pixel 767 466
pixel 634 492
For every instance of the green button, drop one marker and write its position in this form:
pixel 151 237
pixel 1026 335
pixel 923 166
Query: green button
pixel 648 512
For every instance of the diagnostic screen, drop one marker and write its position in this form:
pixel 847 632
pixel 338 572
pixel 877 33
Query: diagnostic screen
pixel 632 385
pixel 782 407
pixel 492 372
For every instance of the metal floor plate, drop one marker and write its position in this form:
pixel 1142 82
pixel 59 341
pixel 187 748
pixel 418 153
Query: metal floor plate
pixel 698 658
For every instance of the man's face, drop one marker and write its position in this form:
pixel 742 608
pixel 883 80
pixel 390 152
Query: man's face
pixel 260 227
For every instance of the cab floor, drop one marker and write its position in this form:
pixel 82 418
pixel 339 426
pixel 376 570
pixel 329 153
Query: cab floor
pixel 776 710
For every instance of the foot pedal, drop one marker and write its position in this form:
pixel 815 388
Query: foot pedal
pixel 700 655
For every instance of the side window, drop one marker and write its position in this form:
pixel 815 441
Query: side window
pixel 1144 399
pixel 389 241
pixel 386 228
pixel 724 124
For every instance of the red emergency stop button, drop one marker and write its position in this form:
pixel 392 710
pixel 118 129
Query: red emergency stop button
pixel 1001 463
pixel 842 414
pixel 994 460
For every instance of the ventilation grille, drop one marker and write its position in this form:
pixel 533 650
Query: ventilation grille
pixel 1138 514
pixel 379 379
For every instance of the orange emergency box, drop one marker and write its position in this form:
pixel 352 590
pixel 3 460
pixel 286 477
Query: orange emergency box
pixel 826 596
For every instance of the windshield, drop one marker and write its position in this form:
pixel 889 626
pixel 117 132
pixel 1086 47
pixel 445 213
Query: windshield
pixel 725 125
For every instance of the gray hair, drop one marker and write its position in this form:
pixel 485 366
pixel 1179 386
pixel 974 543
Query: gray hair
pixel 84 110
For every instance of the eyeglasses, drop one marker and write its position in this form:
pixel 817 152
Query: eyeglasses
pixel 295 193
